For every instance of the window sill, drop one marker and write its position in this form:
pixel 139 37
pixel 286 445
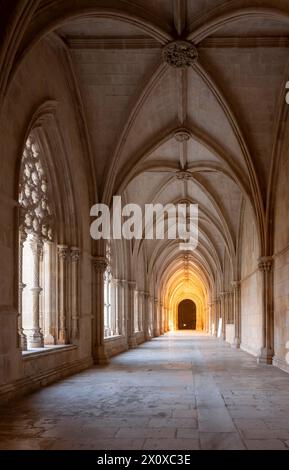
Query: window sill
pixel 47 351
pixel 113 338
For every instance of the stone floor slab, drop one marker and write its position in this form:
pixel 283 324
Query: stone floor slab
pixel 183 390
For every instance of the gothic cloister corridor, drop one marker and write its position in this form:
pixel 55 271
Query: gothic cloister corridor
pixel 144 225
pixel 184 390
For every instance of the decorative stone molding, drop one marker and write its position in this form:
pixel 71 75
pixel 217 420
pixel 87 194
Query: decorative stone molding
pixel 75 254
pixel 182 135
pixel 184 175
pixel 100 264
pixel 265 263
pixel 236 284
pixel 35 209
pixel 62 251
pixel 180 54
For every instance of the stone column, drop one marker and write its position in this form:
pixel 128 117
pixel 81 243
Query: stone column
pixel 267 351
pixel 209 318
pixel 226 312
pixel 62 293
pixel 142 312
pixel 214 317
pixel 151 321
pixel 166 319
pixel 124 308
pixel 22 340
pixel 117 306
pixel 161 316
pixel 218 313
pixel 146 317
pixel 137 307
pixel 230 308
pixel 99 353
pixel 222 314
pixel 49 303
pixel 237 312
pixel 130 323
pixel 75 256
pixel 156 318
pixel 35 337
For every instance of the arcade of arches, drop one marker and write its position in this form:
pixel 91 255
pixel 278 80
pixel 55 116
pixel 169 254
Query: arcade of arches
pixel 168 101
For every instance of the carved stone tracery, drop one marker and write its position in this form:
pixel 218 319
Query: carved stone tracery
pixel 35 210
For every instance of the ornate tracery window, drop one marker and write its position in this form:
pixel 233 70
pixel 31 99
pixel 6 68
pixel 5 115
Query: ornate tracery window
pixel 48 295
pixel 36 224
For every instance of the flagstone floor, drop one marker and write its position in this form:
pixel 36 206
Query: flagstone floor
pixel 184 390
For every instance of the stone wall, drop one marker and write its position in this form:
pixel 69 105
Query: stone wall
pixel 251 299
pixel 281 264
pixel 35 84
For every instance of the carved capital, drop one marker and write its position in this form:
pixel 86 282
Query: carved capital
pixel 180 54
pixel 131 285
pixel 62 251
pixel 265 263
pixel 100 264
pixel 22 236
pixel 36 246
pixel 236 285
pixel 75 254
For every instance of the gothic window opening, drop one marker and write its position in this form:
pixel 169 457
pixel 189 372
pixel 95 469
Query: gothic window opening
pixel 111 327
pixel 43 274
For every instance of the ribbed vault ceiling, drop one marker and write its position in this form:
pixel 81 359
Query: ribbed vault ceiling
pixel 137 110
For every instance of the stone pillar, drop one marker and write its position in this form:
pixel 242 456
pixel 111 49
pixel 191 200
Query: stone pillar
pixel 218 313
pixel 99 353
pixel 210 318
pixel 142 311
pixel 222 314
pixel 147 319
pixel 166 319
pixel 156 318
pixel 35 337
pixel 214 317
pixel 151 315
pixel 161 317
pixel 124 308
pixel 267 351
pixel 62 294
pixel 49 301
pixel 22 340
pixel 130 323
pixel 137 307
pixel 75 256
pixel 230 308
pixel 237 312
pixel 118 306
